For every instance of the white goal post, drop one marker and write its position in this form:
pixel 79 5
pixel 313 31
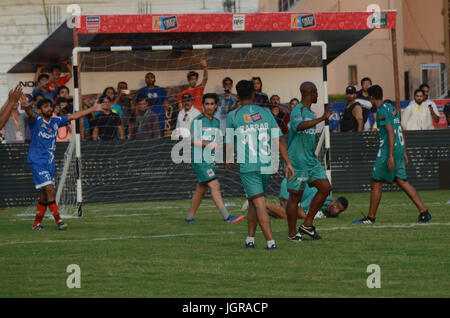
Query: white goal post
pixel 76 139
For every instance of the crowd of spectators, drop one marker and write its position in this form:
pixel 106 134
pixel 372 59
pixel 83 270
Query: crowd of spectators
pixel 149 113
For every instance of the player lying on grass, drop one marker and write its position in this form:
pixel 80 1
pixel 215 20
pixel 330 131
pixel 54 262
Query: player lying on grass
pixel 330 209
pixel 41 154
pixel 205 132
pixel 253 131
pixel 391 159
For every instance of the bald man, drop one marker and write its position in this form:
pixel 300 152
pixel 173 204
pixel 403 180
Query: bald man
pixel 307 168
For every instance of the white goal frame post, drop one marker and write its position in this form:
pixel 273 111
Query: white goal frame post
pixel 76 139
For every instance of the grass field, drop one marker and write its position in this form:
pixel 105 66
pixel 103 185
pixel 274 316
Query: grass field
pixel 147 250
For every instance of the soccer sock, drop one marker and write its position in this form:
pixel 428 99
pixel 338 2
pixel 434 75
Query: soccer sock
pixel 250 240
pixel 224 213
pixel 41 208
pixel 54 208
pixel 189 216
pixel 270 243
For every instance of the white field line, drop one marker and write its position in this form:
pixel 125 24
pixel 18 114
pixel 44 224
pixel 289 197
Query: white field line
pixel 123 238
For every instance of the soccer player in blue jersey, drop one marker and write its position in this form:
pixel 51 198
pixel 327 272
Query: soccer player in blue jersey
pixel 41 154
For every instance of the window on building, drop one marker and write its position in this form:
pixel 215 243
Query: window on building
pixel 352 75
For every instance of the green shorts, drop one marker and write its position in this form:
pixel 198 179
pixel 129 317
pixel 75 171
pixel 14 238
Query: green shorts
pixel 205 172
pixel 381 171
pixel 305 177
pixel 284 194
pixel 254 183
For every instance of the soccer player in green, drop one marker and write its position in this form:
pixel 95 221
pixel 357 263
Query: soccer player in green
pixel 255 133
pixel 307 168
pixel 205 133
pixel 391 159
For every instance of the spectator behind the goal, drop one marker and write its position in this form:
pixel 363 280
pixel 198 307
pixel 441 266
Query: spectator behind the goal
pixel 362 97
pixel 64 92
pixel 108 124
pixel 227 102
pixel 260 99
pixel 156 96
pixel 417 116
pixel 186 116
pixel 447 114
pixel 126 103
pixel 145 124
pixel 42 87
pixel 55 78
pixel 275 109
pixel 287 116
pixel 170 118
pixel 62 109
pixel 196 91
pixel 434 111
pixel 352 117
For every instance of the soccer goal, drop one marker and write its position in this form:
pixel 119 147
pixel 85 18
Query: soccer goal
pixel 139 170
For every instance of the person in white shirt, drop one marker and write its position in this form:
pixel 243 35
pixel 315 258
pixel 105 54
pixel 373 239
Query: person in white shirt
pixel 185 116
pixel 417 116
pixel 429 103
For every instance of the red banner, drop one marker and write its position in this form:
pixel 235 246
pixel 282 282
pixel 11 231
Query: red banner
pixel 229 22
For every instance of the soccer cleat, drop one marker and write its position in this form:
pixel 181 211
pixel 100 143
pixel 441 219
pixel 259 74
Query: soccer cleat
pixel 250 245
pixel 273 247
pixel 245 206
pixel 234 219
pixel 424 217
pixel 310 231
pixel 296 238
pixel 190 221
pixel 61 225
pixel 366 220
pixel 38 227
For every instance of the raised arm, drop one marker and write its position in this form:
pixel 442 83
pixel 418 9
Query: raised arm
pixel 38 72
pixel 77 115
pixel 13 98
pixel 205 71
pixel 69 69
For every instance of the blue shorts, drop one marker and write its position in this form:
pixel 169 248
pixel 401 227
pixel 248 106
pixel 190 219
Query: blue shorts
pixel 43 174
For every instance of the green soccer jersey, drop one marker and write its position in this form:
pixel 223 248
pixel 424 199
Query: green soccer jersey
pixel 207 130
pixel 254 128
pixel 302 144
pixel 388 115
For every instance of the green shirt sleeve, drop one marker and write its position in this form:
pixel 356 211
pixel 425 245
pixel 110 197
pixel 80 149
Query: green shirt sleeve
pixel 229 138
pixel 385 117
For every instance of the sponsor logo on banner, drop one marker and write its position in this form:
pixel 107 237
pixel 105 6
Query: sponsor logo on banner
pixel 238 22
pixel 165 23
pixel 93 24
pixel 303 21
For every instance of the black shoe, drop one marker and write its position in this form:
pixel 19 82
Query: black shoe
pixel 38 227
pixel 272 247
pixel 250 245
pixel 424 217
pixel 296 238
pixel 310 231
pixel 366 220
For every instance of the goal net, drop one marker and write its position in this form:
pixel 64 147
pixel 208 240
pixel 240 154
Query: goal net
pixel 99 167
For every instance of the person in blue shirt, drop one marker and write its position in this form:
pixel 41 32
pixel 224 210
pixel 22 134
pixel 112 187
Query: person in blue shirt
pixel 43 89
pixel 156 96
pixel 41 154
